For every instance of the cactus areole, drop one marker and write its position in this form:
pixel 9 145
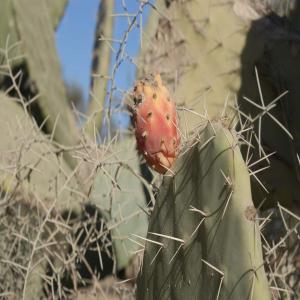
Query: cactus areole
pixel 156 124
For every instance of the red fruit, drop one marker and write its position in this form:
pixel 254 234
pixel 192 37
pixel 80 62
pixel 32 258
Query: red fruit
pixel 155 122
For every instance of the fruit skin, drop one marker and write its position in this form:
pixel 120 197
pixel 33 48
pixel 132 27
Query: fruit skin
pixel 156 124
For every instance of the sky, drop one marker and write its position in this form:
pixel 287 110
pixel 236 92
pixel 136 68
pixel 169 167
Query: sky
pixel 75 38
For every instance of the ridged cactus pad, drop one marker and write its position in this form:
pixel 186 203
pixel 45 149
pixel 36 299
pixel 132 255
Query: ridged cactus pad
pixel 203 240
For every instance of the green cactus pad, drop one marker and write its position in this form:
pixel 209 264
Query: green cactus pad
pixel 196 46
pixel 209 245
pixel 35 28
pixel 101 67
pixel 9 35
pixel 8 32
pixel 118 192
pixel 56 9
pixel 28 161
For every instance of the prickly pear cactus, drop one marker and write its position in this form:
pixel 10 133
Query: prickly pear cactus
pixel 8 30
pixel 156 125
pixel 203 240
pixel 122 201
pixel 208 51
pixel 269 99
pixel 33 168
pixel 196 46
pixel 56 9
pixel 39 47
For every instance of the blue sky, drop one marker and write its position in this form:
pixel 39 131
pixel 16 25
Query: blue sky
pixel 75 37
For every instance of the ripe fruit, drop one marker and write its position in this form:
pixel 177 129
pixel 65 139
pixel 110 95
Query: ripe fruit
pixel 155 122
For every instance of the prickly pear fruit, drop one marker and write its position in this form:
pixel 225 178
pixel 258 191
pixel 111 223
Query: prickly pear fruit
pixel 155 122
